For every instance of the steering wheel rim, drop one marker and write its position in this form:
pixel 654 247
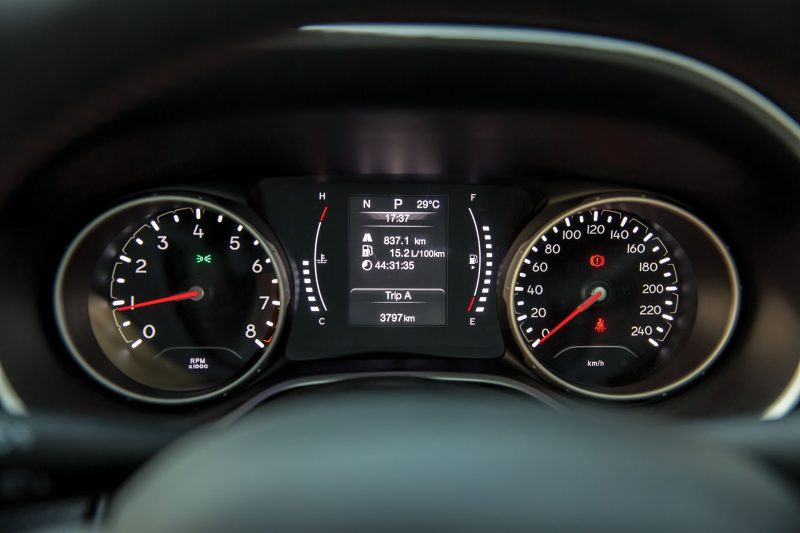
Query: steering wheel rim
pixel 406 455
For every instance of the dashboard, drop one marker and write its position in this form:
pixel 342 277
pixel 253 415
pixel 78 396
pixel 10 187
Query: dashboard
pixel 176 298
pixel 608 230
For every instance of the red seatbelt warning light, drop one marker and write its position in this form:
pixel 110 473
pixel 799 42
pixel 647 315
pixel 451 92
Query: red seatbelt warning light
pixel 597 260
pixel 600 326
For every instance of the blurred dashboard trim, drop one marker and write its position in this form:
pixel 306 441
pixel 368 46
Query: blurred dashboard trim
pixel 721 83
pixel 787 401
pixel 458 377
pixel 9 399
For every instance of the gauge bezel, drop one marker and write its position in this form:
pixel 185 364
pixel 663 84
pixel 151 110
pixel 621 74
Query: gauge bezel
pixel 73 280
pixel 719 327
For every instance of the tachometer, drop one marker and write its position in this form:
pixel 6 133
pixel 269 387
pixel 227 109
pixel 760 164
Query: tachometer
pixel 184 299
pixel 604 299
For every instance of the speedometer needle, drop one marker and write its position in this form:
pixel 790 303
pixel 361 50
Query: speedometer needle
pixel 596 295
pixel 174 298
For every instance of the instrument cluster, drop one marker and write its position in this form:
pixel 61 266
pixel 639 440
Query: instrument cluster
pixel 178 296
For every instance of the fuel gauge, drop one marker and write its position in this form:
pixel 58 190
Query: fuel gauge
pixel 481 261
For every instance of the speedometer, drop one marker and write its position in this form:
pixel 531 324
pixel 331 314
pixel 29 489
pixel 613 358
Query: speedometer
pixel 604 298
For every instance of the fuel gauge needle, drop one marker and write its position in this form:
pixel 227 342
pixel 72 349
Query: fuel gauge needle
pixel 174 298
pixel 596 295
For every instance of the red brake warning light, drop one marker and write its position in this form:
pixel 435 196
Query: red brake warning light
pixel 597 260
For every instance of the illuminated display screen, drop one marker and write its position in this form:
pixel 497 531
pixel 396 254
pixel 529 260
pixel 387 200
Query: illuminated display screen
pixel 398 260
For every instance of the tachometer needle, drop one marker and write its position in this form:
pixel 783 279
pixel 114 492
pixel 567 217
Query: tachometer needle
pixel 174 298
pixel 596 295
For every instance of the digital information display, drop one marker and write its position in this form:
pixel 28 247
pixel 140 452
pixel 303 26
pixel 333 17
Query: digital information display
pixel 386 268
pixel 397 262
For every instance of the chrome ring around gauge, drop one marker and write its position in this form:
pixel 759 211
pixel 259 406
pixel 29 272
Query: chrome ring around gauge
pixel 171 299
pixel 622 297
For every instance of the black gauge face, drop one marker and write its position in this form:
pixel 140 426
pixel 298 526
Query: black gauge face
pixel 602 298
pixel 185 299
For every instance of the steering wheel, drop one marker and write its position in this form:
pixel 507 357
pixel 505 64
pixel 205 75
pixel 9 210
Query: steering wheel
pixel 404 454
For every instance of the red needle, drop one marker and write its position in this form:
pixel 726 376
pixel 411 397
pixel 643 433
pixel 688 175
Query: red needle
pixel 580 309
pixel 173 298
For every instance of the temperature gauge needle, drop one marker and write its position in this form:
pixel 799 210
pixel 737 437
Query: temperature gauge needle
pixel 174 298
pixel 596 295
